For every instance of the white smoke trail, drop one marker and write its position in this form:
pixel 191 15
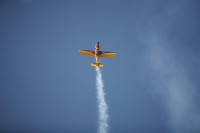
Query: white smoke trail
pixel 102 106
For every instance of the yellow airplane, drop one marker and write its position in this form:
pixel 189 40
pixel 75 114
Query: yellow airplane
pixel 97 54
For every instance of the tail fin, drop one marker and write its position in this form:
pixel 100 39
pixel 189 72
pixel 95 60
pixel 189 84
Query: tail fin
pixel 97 64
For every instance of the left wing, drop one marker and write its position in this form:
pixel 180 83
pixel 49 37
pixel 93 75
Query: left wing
pixel 87 52
pixel 106 54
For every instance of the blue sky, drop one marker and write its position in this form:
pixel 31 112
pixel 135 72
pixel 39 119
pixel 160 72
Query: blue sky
pixel 152 85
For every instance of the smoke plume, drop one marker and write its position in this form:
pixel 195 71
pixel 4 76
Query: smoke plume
pixel 102 106
pixel 176 89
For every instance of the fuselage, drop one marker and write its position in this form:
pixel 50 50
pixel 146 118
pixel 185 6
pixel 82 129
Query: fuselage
pixel 97 52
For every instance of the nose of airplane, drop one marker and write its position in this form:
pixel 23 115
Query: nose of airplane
pixel 97 46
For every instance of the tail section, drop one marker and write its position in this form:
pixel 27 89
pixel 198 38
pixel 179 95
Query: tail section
pixel 97 64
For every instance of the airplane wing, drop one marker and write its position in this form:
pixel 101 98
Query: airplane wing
pixel 87 52
pixel 106 54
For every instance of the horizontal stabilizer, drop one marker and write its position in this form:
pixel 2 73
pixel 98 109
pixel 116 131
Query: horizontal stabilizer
pixel 97 64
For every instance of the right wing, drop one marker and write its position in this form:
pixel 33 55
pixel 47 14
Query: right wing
pixel 87 52
pixel 106 54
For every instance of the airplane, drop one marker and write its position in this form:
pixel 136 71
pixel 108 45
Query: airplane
pixel 97 54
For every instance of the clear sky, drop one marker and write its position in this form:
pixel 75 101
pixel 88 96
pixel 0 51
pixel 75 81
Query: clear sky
pixel 152 85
